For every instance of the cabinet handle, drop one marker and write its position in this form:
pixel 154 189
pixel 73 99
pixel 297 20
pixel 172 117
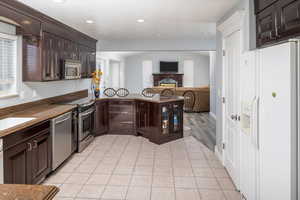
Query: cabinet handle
pixel 30 147
pixel 35 144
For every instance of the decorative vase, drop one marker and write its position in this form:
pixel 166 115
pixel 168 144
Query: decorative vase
pixel 97 93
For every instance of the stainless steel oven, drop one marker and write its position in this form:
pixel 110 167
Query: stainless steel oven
pixel 85 126
pixel 72 69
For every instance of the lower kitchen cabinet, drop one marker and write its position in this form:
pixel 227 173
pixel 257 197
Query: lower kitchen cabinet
pixel 28 155
pixel 143 118
pixel 41 157
pixel 101 118
pixel 160 122
pixel 121 115
pixel 17 165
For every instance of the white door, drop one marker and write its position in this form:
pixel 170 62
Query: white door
pixel 232 105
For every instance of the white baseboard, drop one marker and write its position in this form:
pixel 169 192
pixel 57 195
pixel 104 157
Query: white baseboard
pixel 213 115
pixel 218 154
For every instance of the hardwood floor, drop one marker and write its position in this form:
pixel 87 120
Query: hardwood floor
pixel 202 126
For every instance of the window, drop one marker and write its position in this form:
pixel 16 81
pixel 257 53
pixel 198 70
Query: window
pixel 8 65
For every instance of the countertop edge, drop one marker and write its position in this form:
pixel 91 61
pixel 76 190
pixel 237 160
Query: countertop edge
pixel 28 124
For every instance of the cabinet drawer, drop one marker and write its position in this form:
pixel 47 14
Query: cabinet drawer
pixel 25 134
pixel 123 125
pixel 121 102
pixel 121 109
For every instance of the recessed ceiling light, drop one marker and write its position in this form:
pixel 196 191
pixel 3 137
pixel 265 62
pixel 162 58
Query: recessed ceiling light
pixel 89 21
pixel 59 1
pixel 140 20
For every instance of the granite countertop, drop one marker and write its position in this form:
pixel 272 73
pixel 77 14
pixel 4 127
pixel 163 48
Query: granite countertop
pixel 40 113
pixel 155 99
pixel 27 192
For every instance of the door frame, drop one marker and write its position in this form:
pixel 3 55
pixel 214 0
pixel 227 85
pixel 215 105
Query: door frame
pixel 233 24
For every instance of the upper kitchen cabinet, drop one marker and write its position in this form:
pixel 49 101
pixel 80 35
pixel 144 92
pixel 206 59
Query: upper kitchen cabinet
pixel 260 5
pixel 289 18
pixel 266 26
pixel 26 25
pixel 277 20
pixel 47 43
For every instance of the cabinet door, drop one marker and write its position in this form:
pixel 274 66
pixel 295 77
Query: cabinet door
pixel 262 4
pixel 83 60
pixel 17 164
pixel 101 123
pixel 176 118
pixel 47 57
pixel 59 57
pixel 266 26
pixel 41 157
pixel 143 115
pixel 92 64
pixel 289 15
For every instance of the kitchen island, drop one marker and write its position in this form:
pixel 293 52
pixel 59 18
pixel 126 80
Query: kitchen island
pixel 159 119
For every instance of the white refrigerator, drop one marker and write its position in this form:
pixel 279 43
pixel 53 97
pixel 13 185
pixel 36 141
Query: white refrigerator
pixel 270 139
pixel 277 134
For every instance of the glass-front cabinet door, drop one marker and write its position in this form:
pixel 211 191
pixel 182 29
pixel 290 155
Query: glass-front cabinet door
pixel 165 121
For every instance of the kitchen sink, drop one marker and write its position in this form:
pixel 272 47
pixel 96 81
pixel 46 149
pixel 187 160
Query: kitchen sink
pixel 13 121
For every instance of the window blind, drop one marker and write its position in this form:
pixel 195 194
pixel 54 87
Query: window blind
pixel 7 61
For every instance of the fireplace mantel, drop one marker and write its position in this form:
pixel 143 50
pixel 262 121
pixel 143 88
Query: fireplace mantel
pixel 161 76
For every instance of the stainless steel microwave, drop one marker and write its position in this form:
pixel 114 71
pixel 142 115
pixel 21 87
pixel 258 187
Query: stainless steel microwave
pixel 72 69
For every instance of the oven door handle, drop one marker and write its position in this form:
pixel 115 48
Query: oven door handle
pixel 88 113
pixel 61 121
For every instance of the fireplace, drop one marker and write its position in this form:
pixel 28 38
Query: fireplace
pixel 168 80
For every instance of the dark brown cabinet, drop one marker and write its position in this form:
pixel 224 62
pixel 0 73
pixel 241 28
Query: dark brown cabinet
pixel 159 122
pixel 87 57
pixel 262 4
pixel 51 57
pixel 266 26
pixel 26 25
pixel 28 155
pixel 17 164
pixel 288 18
pixel 277 20
pixel 41 156
pixel 121 115
pixel 101 118
pixel 143 118
pixel 47 42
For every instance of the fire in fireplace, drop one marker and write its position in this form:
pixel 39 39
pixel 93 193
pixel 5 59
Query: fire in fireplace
pixel 168 82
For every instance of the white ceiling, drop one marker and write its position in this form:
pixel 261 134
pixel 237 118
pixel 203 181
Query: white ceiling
pixel 117 19
pixel 124 54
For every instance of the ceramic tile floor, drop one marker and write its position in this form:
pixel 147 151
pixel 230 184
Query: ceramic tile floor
pixel 131 168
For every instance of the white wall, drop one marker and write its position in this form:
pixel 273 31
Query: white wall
pixel 32 91
pixel 134 67
pixel 113 68
pixel 213 92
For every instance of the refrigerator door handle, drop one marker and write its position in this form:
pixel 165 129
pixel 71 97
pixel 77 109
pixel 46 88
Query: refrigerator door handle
pixel 254 122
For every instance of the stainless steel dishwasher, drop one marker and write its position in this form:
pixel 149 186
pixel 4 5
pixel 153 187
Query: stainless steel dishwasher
pixel 61 131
